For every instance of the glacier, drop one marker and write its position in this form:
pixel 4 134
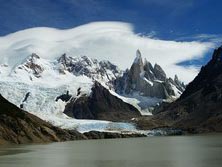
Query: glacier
pixel 39 63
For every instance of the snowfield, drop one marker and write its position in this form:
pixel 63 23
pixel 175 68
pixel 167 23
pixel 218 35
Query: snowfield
pixel 41 103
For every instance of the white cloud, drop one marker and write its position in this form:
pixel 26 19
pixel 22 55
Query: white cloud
pixel 114 41
pixel 213 38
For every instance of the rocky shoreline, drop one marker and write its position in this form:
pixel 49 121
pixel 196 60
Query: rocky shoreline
pixel 110 135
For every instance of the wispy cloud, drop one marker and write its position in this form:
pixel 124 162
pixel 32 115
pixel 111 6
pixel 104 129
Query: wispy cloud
pixel 114 41
pixel 215 39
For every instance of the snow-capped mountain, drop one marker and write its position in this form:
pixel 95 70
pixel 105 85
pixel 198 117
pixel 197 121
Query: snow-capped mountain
pixel 36 69
pixel 37 83
pixel 103 71
pixel 148 80
pixel 46 86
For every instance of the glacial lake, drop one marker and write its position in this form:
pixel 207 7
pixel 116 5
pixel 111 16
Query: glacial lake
pixel 175 151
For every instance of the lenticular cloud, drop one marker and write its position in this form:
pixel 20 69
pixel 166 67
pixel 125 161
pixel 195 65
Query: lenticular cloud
pixel 113 41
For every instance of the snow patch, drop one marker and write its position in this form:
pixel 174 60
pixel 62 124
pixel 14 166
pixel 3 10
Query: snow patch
pixel 142 103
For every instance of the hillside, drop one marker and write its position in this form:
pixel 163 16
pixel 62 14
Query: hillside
pixel 18 126
pixel 199 109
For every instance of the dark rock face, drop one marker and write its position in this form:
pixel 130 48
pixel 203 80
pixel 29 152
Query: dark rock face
pixel 18 126
pixel 159 73
pixel 207 74
pixel 25 99
pixel 64 97
pixel 149 81
pixel 102 105
pixel 199 109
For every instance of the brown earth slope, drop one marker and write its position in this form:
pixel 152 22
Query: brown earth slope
pixel 18 126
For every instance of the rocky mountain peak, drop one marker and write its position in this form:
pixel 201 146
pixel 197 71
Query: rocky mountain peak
pixel 217 55
pixel 32 59
pixel 135 73
pixel 147 80
pixel 63 59
pixel 32 65
pixel 207 75
pixel 138 59
pixel 159 72
pixel 176 78
pixel 138 53
pixel 92 68
pixel 148 66
pixel 34 56
pixel 137 66
pixel 108 65
pixel 148 70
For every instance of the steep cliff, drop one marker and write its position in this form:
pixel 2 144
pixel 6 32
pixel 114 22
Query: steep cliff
pixel 199 109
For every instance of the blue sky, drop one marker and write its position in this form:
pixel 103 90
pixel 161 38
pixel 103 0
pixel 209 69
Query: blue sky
pixel 179 20
pixel 169 19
